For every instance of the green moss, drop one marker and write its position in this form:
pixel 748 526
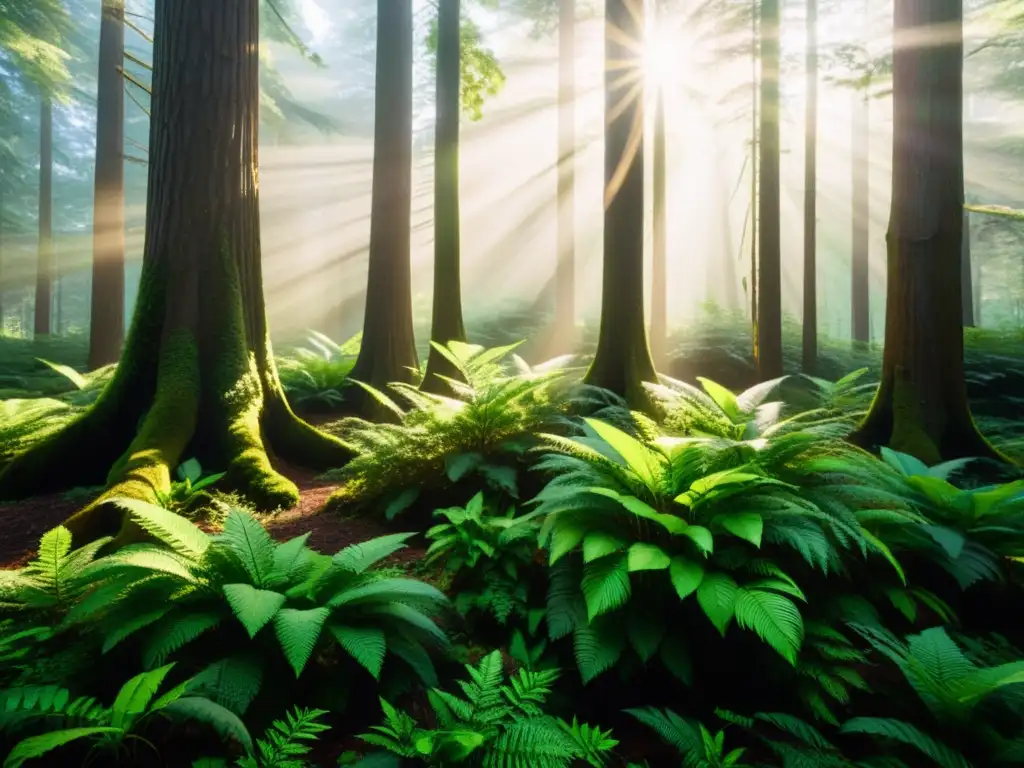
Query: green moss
pixel 146 466
pixel 908 432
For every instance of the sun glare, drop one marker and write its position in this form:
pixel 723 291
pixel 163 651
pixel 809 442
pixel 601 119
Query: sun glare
pixel 659 59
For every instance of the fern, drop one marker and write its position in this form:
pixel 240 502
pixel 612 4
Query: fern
pixel 282 745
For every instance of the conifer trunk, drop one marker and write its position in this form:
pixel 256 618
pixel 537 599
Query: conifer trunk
pixel 446 319
pixel 769 279
pixel 388 348
pixel 860 293
pixel 967 277
pixel 197 377
pixel 622 362
pixel 810 294
pixel 921 406
pixel 106 325
pixel 565 270
pixel 659 287
pixel 44 262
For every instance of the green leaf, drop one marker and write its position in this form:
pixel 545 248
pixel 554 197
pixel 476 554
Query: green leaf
pixel 190 470
pixel 173 530
pixel 646 630
pixel 701 537
pixel 717 595
pixel 400 503
pixel 67 372
pixel 723 398
pixel 597 648
pixel 670 523
pixel 909 735
pixel 880 547
pixel 298 632
pixel 253 607
pixel 366 645
pixel 135 695
pixel 686 576
pixel 357 558
pixel 599 544
pixel 638 457
pixel 646 557
pixel 748 526
pixel 904 463
pixel 459 465
pixel 252 544
pixel 222 720
pixel 37 746
pixel 775 618
pixel 605 584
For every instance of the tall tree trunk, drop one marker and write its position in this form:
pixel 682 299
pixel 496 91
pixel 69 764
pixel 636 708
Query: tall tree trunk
pixel 810 313
pixel 622 361
pixel 967 276
pixel 3 226
pixel 860 293
pixel 659 287
pixel 388 349
pixel 106 324
pixel 446 319
pixel 921 407
pixel 769 303
pixel 565 271
pixel 755 39
pixel 44 262
pixel 197 377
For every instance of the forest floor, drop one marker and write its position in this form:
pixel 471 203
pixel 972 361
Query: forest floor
pixel 26 521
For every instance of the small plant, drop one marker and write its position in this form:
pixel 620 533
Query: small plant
pixel 697 746
pixel 191 483
pixel 314 375
pixel 494 723
pixel 486 556
pixel 109 729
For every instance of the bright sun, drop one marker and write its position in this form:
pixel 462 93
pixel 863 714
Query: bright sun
pixel 659 59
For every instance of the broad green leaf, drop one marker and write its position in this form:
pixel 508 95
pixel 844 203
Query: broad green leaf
pixel 638 457
pixel 904 463
pixel 359 557
pixel 135 696
pixel 458 465
pixel 605 584
pixel 671 523
pixel 400 503
pixel 748 526
pixel 172 529
pixel 686 576
pixel 884 550
pixel 253 607
pixel 599 544
pixel 775 618
pixel 37 746
pixel 366 645
pixel 702 537
pixel 298 632
pixel 647 557
pixel 723 398
pixel 717 595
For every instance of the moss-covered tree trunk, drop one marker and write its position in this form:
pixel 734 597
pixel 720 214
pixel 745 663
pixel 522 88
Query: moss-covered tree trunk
pixel 565 270
pixel 659 278
pixel 622 361
pixel 446 318
pixel 44 258
pixel 106 323
pixel 388 349
pixel 860 292
pixel 809 356
pixel 921 406
pixel 197 377
pixel 769 278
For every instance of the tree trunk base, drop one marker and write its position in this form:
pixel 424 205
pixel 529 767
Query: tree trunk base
pixel 170 431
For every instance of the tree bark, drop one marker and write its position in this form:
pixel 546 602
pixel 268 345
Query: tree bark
pixel 921 407
pixel 197 377
pixel 622 362
pixel 388 349
pixel 44 263
pixel 106 325
pixel 754 122
pixel 659 288
pixel 565 271
pixel 967 276
pixel 860 301
pixel 810 296
pixel 769 303
pixel 446 319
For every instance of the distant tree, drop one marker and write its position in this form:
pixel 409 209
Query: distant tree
pixel 44 258
pixel 659 236
pixel 810 294
pixel 622 362
pixel 769 277
pixel 106 325
pixel 565 270
pixel 198 372
pixel 446 319
pixel 388 348
pixel 921 406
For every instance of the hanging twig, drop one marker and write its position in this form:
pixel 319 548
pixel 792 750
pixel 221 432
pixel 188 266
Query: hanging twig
pixel 131 79
pixel 132 97
pixel 136 60
pixel 144 35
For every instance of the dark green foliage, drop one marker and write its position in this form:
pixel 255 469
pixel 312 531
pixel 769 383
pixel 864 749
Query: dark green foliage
pixel 313 375
pixel 497 722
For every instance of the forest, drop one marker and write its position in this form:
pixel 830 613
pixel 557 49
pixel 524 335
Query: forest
pixel 611 383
